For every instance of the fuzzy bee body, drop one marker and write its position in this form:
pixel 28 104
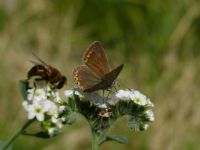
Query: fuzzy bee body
pixel 47 73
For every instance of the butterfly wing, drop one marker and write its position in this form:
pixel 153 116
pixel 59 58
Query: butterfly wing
pixel 85 78
pixel 111 76
pixel 95 58
pixel 107 80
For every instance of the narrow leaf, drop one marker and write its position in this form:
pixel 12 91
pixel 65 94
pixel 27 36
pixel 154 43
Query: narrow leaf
pixel 43 135
pixel 116 138
pixel 24 88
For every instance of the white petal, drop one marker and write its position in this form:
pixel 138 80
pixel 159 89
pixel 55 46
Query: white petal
pixel 40 116
pixel 146 126
pixel 25 105
pixel 59 124
pixel 31 115
pixel 150 115
pixel 39 94
pixel 124 94
pixel 52 131
pixel 68 93
pixel 54 119
pixel 30 94
pixel 61 108
pixel 102 106
pixel 78 93
pixel 149 103
pixel 47 105
pixel 140 99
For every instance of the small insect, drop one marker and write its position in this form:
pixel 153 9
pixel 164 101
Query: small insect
pixel 95 73
pixel 47 73
pixel 105 112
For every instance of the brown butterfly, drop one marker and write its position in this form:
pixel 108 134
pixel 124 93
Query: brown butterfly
pixel 95 74
pixel 47 73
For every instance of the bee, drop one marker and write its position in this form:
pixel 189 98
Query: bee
pixel 46 73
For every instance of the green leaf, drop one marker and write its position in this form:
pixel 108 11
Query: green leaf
pixel 116 138
pixel 70 118
pixel 72 103
pixel 43 135
pixel 24 88
pixel 2 144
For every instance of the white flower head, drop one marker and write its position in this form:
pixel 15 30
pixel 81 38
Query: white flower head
pixel 63 119
pixel 149 103
pixel 61 108
pixel 36 94
pixel 139 98
pixel 52 131
pixel 35 109
pixel 145 127
pixel 58 99
pixel 123 94
pixel 150 115
pixel 25 104
pixel 130 95
pixel 57 121
pixel 102 106
pixel 50 107
pixel 70 93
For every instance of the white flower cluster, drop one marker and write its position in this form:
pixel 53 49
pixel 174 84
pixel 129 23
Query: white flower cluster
pixel 145 116
pixel 70 93
pixel 130 95
pixel 42 103
pixel 138 99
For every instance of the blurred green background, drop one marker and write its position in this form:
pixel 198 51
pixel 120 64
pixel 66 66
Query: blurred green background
pixel 158 41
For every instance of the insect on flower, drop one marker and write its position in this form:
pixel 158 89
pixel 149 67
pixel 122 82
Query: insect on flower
pixel 105 112
pixel 45 72
pixel 95 73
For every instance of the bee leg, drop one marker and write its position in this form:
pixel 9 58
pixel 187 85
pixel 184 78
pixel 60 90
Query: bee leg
pixel 34 89
pixel 115 89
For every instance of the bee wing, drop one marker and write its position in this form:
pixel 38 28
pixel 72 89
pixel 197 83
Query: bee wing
pixel 40 62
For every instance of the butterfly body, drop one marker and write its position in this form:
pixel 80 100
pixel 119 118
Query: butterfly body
pixel 95 74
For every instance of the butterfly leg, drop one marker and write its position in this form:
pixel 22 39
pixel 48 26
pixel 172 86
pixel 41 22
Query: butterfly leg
pixel 109 92
pixel 103 92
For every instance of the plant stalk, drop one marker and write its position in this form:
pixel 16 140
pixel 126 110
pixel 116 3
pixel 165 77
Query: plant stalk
pixel 14 137
pixel 95 142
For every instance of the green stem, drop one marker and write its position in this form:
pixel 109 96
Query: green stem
pixel 14 137
pixel 98 138
pixel 95 143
